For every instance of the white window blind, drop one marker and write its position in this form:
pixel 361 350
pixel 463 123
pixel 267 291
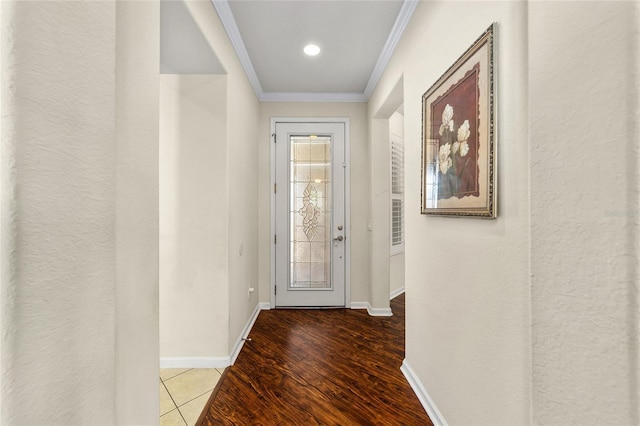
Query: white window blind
pixel 397 167
pixel 397 222
pixel 397 196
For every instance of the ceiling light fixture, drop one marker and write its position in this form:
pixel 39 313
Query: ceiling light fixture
pixel 311 49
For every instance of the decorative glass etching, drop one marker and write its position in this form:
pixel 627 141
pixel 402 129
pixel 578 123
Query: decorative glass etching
pixel 310 212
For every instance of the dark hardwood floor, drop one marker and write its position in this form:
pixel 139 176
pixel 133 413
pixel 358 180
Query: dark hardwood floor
pixel 319 367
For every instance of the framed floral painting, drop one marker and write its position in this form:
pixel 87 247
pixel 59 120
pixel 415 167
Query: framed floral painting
pixel 458 136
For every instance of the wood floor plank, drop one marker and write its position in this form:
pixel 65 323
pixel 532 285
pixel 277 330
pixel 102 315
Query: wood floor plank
pixel 319 367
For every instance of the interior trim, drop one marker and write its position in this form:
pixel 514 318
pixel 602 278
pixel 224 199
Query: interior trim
pixel 406 11
pixel 245 332
pixel 312 97
pixel 396 293
pixel 231 27
pixel 272 199
pixel 229 23
pixel 374 312
pixel 425 399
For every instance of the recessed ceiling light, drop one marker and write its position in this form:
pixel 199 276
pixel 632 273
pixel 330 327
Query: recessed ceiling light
pixel 311 49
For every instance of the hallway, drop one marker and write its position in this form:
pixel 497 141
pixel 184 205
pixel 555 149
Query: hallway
pixel 530 318
pixel 336 367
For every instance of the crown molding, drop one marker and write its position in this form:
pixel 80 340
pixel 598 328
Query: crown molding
pixel 231 27
pixel 311 97
pixel 229 23
pixel 406 11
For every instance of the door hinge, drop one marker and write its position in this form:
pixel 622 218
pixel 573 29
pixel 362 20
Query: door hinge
pixel 275 289
pixel 275 239
pixel 275 188
pixel 274 138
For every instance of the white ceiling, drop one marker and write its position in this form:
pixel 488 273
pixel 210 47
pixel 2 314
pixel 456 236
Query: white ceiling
pixel 357 39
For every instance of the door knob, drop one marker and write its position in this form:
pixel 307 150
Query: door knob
pixel 338 238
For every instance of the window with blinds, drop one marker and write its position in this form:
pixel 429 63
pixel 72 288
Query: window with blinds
pixel 397 167
pixel 397 222
pixel 397 196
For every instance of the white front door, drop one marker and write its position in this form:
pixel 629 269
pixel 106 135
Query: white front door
pixel 310 234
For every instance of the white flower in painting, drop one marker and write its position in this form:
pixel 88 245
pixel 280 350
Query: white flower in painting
pixel 463 135
pixel 445 166
pixel 447 114
pixel 464 149
pixel 447 119
pixel 464 132
pixel 445 151
pixel 445 158
pixel 456 145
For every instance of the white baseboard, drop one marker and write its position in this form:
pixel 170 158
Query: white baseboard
pixel 422 394
pixel 245 332
pixel 195 362
pixel 374 312
pixel 396 293
pixel 216 362
pixel 379 312
pixel 265 306
pixel 359 305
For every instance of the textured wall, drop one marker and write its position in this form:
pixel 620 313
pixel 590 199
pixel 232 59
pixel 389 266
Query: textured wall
pixel 193 216
pixel 79 213
pixel 58 317
pixel 467 280
pixel 540 323
pixel 584 211
pixel 137 57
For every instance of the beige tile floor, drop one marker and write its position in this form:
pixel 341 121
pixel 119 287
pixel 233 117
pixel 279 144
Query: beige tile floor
pixel 184 393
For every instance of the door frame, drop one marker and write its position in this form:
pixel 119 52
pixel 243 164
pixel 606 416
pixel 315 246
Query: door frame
pixel 347 195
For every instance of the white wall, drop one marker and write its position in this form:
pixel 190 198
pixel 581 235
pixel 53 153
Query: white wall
pixel 583 103
pixel 360 278
pixel 380 127
pixel 183 48
pixel 241 181
pixel 136 227
pixel 194 280
pixel 396 273
pixel 541 323
pixel 244 213
pixel 79 213
pixel 380 213
pixel 396 261
pixel 467 280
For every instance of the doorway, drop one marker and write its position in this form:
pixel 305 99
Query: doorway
pixel 310 213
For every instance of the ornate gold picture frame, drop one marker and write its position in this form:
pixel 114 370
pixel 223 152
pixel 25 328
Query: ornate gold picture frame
pixel 459 136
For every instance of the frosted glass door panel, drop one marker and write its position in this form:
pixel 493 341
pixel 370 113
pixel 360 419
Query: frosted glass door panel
pixel 310 212
pixel 311 236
